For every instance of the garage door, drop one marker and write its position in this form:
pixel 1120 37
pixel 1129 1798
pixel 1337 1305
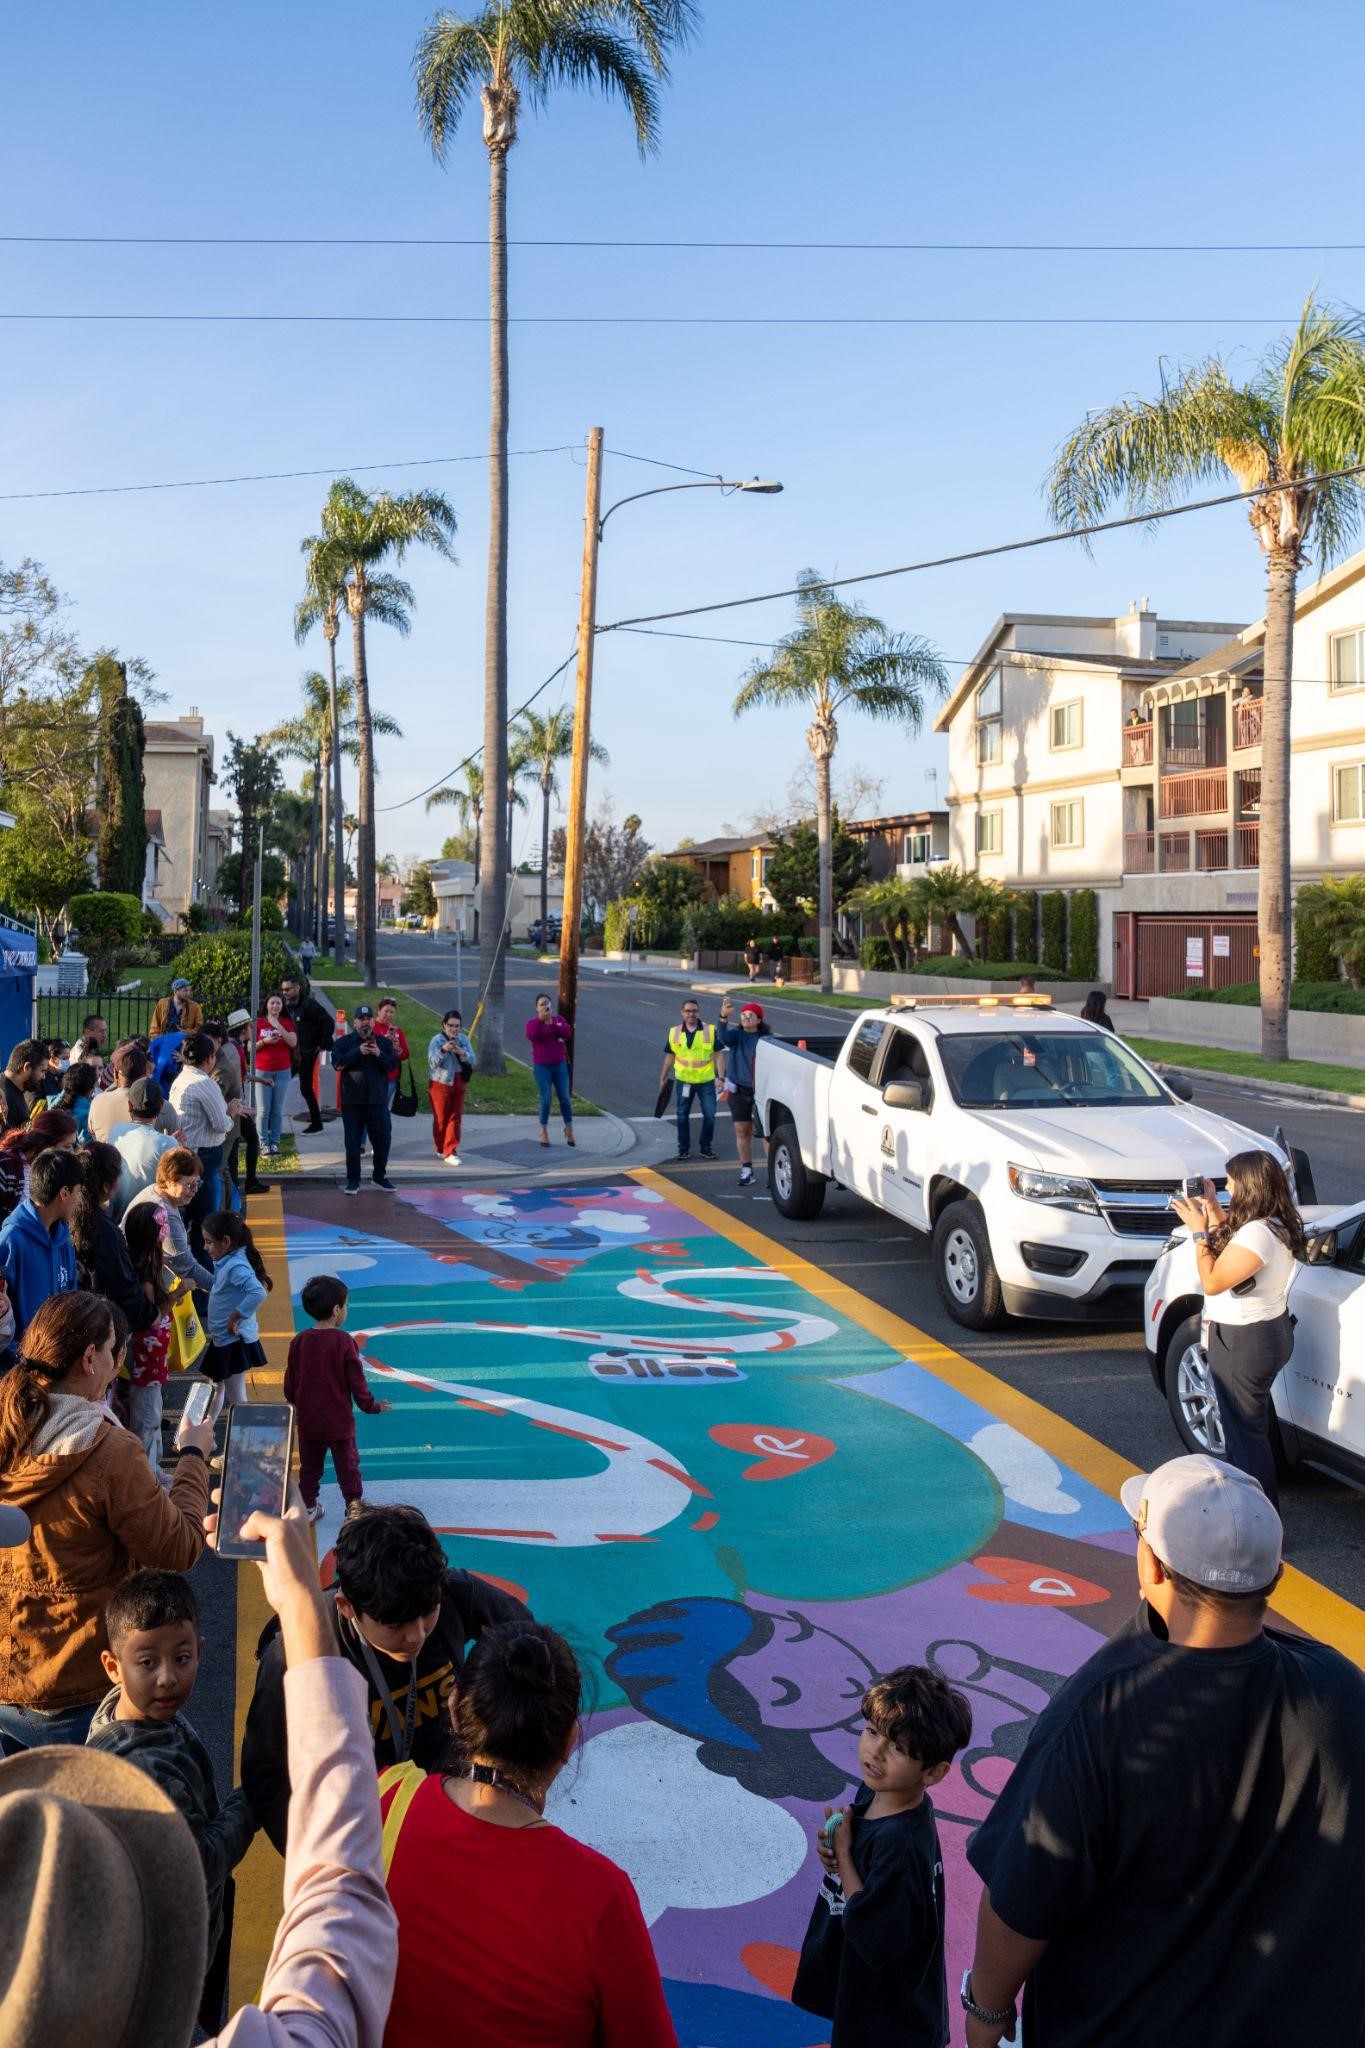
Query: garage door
pixel 1168 954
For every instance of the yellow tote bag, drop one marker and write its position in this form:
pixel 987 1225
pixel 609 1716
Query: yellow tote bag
pixel 188 1341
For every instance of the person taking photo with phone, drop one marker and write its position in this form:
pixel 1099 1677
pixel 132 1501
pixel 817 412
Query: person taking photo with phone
pixel 1247 1262
pixel 450 1063
pixel 366 1063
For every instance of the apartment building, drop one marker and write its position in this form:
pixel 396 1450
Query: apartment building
pixel 1036 734
pixel 902 846
pixel 177 768
pixel 733 867
pixel 1134 768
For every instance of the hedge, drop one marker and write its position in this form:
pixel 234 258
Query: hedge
pixel 957 968
pixel 1315 957
pixel 876 956
pixel 105 918
pixel 218 968
pixel 1026 925
pixel 1328 997
pixel 1054 931
pixel 1083 935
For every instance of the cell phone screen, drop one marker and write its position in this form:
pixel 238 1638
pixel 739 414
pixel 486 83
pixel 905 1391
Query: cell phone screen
pixel 256 1461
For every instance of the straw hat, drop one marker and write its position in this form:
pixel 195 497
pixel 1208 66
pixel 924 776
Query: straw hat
pixel 103 1912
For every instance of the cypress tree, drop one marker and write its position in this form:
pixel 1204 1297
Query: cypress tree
pixel 121 852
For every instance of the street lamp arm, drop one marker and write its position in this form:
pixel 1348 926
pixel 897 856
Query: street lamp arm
pixel 718 483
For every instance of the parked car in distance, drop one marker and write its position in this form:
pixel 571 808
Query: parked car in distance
pixel 1318 1401
pixel 1037 1151
pixel 553 932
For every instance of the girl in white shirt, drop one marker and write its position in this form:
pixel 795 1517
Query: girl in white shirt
pixel 1247 1261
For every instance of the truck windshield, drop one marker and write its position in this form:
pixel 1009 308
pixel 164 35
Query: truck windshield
pixel 1045 1070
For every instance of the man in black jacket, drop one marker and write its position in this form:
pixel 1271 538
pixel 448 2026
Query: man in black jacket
pixel 365 1062
pixel 403 1618
pixel 24 1080
pixel 313 1025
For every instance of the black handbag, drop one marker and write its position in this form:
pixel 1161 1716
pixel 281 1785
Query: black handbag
pixel 405 1104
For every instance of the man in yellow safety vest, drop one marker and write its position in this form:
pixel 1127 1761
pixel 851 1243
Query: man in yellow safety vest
pixel 693 1063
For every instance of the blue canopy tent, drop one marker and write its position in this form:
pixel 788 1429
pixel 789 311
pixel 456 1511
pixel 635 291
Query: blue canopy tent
pixel 18 970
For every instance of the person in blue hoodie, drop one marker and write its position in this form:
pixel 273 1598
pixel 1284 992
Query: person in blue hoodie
pixel 740 1042
pixel 240 1285
pixel 37 1256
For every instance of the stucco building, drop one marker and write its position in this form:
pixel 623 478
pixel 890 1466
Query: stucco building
pixel 177 771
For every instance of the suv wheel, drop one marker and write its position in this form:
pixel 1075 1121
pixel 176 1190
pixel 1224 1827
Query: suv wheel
pixel 968 1284
pixel 1190 1393
pixel 796 1192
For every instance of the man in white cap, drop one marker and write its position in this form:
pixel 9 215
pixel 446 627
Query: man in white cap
pixel 1179 1854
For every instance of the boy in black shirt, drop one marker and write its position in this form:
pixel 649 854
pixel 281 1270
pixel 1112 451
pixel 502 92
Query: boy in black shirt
pixel 872 1959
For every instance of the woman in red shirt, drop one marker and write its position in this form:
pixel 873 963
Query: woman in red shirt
pixel 520 1936
pixel 276 1042
pixel 386 1025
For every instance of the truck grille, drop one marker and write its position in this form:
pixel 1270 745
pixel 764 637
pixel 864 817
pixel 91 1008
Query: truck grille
pixel 1139 1208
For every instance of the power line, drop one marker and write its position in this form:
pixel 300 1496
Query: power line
pixel 1008 547
pixel 658 319
pixel 586 242
pixel 470 758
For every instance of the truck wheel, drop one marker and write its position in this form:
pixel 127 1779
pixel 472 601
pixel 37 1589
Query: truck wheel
pixel 796 1192
pixel 968 1284
pixel 1190 1393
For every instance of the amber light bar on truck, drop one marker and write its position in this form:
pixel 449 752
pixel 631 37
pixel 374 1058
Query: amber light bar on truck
pixel 971 1002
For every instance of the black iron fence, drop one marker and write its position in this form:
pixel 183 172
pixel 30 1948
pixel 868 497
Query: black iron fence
pixel 127 1012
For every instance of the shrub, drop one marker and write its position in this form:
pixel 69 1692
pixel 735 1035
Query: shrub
pixel 876 956
pixel 219 967
pixel 957 968
pixel 999 932
pixel 1054 931
pixel 615 927
pixel 1083 938
pixel 1026 925
pixel 108 922
pixel 1315 955
pixel 1329 997
pixel 272 917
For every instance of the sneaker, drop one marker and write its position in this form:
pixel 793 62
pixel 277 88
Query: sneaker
pixel 452 1158
pixel 746 1176
pixel 257 1187
pixel 352 1187
pixel 705 1154
pixel 381 1180
pixel 310 1130
pixel 684 1155
pixel 315 1512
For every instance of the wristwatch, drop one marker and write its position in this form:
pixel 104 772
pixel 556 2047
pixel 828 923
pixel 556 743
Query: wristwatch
pixel 979 2012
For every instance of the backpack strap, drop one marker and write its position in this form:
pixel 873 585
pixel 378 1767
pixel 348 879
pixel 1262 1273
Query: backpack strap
pixel 398 1787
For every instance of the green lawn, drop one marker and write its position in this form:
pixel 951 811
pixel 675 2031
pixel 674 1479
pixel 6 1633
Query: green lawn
pixel 1250 1066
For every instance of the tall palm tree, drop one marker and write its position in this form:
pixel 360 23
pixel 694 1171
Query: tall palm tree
pixel 543 743
pixel 324 595
pixel 366 532
pixel 840 658
pixel 507 50
pixel 468 801
pixel 1281 432
pixel 308 737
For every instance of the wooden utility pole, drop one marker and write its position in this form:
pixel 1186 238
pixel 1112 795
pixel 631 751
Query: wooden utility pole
pixel 576 833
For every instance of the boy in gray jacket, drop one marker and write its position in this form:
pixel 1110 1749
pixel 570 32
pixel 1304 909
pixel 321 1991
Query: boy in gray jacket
pixel 152 1623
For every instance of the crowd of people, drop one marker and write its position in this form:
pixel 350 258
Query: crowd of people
pixel 1177 1852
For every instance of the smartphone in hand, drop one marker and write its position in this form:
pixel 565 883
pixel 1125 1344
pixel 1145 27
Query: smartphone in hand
pixel 256 1464
pixel 199 1400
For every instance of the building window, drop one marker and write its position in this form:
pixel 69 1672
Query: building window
pixel 990 706
pixel 1066 725
pixel 1068 823
pixel 990 835
pixel 1348 793
pixel 756 868
pixel 916 848
pixel 1348 659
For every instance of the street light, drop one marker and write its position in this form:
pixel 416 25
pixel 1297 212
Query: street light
pixel 594 522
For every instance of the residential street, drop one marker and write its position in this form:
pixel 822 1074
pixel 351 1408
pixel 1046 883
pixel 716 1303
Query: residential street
pixel 1095 1377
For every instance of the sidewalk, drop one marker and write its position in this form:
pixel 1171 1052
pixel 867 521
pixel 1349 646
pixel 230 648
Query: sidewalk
pixel 491 1148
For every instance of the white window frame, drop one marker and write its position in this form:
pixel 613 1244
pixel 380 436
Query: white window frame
pixel 1068 803
pixel 1065 746
pixel 990 725
pixel 1356 682
pixel 1357 769
pixel 996 821
pixel 908 853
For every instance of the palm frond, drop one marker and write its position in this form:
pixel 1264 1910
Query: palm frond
pixel 451 65
pixel 390 601
pixel 586 52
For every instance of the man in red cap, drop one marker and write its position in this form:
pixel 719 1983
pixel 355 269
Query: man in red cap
pixel 741 1045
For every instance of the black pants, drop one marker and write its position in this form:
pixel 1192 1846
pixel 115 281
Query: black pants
pixel 371 1120
pixel 1245 1360
pixel 307 1066
pixel 250 1137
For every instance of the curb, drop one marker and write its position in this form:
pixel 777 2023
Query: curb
pixel 578 1163
pixel 1330 1098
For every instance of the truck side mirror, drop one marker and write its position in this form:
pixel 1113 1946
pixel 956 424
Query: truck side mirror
pixel 1179 1087
pixel 904 1095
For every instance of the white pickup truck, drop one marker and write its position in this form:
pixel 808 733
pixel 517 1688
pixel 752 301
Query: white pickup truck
pixel 1038 1151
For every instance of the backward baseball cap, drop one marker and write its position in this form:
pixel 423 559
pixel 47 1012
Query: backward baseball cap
pixel 1208 1521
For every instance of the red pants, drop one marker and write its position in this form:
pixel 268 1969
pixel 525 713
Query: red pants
pixel 345 1463
pixel 447 1109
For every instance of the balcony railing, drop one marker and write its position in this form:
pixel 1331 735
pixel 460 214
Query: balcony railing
pixel 1200 851
pixel 1246 723
pixel 1193 796
pixel 1175 853
pixel 1139 853
pixel 1211 850
pixel 1137 745
pixel 1249 845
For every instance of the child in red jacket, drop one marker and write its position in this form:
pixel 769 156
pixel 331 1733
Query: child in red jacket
pixel 322 1375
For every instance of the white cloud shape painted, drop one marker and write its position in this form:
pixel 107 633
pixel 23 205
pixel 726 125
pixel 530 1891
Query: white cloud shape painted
pixel 1027 1475
pixel 637 1793
pixel 305 1265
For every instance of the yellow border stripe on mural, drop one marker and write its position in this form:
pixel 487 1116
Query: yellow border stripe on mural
pixel 260 1876
pixel 1300 1599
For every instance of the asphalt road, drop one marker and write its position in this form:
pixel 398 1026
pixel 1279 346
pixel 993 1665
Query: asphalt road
pixel 1095 1376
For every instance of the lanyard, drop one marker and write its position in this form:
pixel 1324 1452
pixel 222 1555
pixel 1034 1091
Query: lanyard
pixel 402 1738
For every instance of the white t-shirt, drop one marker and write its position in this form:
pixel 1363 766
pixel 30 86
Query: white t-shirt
pixel 1267 1296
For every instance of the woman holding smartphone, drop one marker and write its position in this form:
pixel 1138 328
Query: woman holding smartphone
pixel 1246 1267
pixel 276 1043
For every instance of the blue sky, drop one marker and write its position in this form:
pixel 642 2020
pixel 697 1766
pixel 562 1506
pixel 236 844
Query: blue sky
pixel 790 121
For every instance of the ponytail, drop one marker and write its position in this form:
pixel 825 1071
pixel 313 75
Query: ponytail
pixel 63 1329
pixel 228 1225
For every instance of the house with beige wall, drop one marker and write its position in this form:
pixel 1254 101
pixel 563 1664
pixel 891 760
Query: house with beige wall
pixel 177 769
pixel 733 867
